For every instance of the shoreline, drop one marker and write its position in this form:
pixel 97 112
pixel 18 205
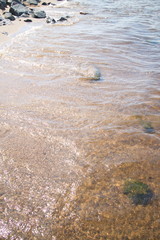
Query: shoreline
pixel 7 32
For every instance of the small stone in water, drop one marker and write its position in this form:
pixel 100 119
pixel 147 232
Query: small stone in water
pixel 138 192
pixel 148 128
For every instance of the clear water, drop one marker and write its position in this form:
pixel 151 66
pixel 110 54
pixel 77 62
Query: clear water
pixel 57 123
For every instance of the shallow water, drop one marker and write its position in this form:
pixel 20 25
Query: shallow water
pixel 58 124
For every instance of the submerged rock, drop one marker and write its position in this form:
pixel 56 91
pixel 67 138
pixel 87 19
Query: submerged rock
pixel 148 128
pixel 138 192
pixel 89 72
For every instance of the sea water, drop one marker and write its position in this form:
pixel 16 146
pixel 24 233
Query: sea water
pixel 75 95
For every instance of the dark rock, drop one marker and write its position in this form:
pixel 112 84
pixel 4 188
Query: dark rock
pixel 27 20
pixel 32 2
pixel 3 22
pixel 84 13
pixel 5 33
pixel 53 4
pixel 1 19
pixel 18 9
pixel 138 192
pixel 62 19
pixel 3 4
pixel 39 14
pixel 44 4
pixel 9 2
pixel 149 130
pixel 50 20
pixel 13 2
pixel 31 10
pixel 25 15
pixel 148 127
pixel 8 15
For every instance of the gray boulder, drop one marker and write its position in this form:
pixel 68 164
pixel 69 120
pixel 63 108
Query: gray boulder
pixel 25 15
pixel 39 14
pixel 13 2
pixel 3 4
pixel 32 2
pixel 18 9
pixel 8 15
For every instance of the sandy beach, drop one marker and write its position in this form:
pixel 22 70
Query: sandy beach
pixel 8 31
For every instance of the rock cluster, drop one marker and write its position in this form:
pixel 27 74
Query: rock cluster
pixel 19 8
pixel 13 9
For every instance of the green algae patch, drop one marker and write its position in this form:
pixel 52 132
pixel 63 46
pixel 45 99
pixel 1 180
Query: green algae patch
pixel 138 192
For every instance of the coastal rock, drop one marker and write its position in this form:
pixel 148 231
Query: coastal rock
pixel 18 9
pixel 50 20
pixel 13 2
pixel 9 2
pixel 25 15
pixel 8 15
pixel 84 13
pixel 3 4
pixel 44 4
pixel 32 2
pixel 27 20
pixel 62 19
pixel 39 14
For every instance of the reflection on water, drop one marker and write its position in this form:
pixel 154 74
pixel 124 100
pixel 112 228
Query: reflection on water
pixel 68 142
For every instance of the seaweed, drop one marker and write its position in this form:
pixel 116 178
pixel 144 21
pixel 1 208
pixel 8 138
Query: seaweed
pixel 138 192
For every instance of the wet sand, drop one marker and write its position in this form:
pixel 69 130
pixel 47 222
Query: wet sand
pixel 8 31
pixel 100 210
